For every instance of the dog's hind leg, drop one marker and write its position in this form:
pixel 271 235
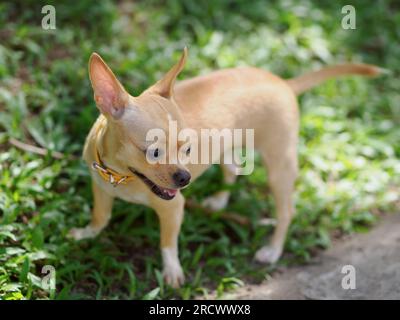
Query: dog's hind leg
pixel 101 214
pixel 219 200
pixel 282 173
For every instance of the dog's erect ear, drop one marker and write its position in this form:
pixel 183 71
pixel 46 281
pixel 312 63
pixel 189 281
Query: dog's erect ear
pixel 110 96
pixel 165 86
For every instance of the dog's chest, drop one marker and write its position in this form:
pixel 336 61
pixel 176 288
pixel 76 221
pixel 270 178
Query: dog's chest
pixel 134 197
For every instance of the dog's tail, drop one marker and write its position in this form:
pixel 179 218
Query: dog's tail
pixel 311 79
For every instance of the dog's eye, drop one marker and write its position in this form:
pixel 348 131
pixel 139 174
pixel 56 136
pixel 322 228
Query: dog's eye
pixel 188 151
pixel 154 155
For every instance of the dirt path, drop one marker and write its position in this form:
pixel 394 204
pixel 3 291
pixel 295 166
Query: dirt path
pixel 375 256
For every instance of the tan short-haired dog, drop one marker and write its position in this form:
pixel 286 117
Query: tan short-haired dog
pixel 245 97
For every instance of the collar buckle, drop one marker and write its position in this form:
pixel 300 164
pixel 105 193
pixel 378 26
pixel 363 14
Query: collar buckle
pixel 96 166
pixel 113 177
pixel 107 175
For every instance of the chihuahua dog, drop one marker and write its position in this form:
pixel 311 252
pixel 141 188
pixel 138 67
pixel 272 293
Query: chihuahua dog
pixel 117 150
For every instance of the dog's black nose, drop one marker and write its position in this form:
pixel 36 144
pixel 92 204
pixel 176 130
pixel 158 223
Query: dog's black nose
pixel 181 178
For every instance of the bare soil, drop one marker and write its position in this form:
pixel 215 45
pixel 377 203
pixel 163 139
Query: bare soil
pixel 376 259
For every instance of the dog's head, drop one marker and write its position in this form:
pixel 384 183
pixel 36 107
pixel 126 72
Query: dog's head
pixel 125 142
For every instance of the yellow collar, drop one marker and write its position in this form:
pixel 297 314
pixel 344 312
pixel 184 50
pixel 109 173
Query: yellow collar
pixel 108 174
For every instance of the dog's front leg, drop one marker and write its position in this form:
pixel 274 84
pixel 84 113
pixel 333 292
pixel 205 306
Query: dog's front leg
pixel 101 214
pixel 170 214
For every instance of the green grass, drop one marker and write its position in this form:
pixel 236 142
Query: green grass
pixel 349 150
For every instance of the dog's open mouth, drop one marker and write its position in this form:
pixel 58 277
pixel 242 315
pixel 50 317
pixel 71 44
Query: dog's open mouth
pixel 163 193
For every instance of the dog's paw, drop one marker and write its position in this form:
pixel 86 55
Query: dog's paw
pixel 173 276
pixel 217 201
pixel 268 254
pixel 82 233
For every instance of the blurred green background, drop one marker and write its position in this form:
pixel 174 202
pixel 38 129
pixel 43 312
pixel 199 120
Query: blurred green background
pixel 349 145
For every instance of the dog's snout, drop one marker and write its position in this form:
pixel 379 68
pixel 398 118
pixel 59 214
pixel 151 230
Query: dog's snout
pixel 181 178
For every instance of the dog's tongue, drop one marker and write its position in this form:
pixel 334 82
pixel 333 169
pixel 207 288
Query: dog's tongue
pixel 171 192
